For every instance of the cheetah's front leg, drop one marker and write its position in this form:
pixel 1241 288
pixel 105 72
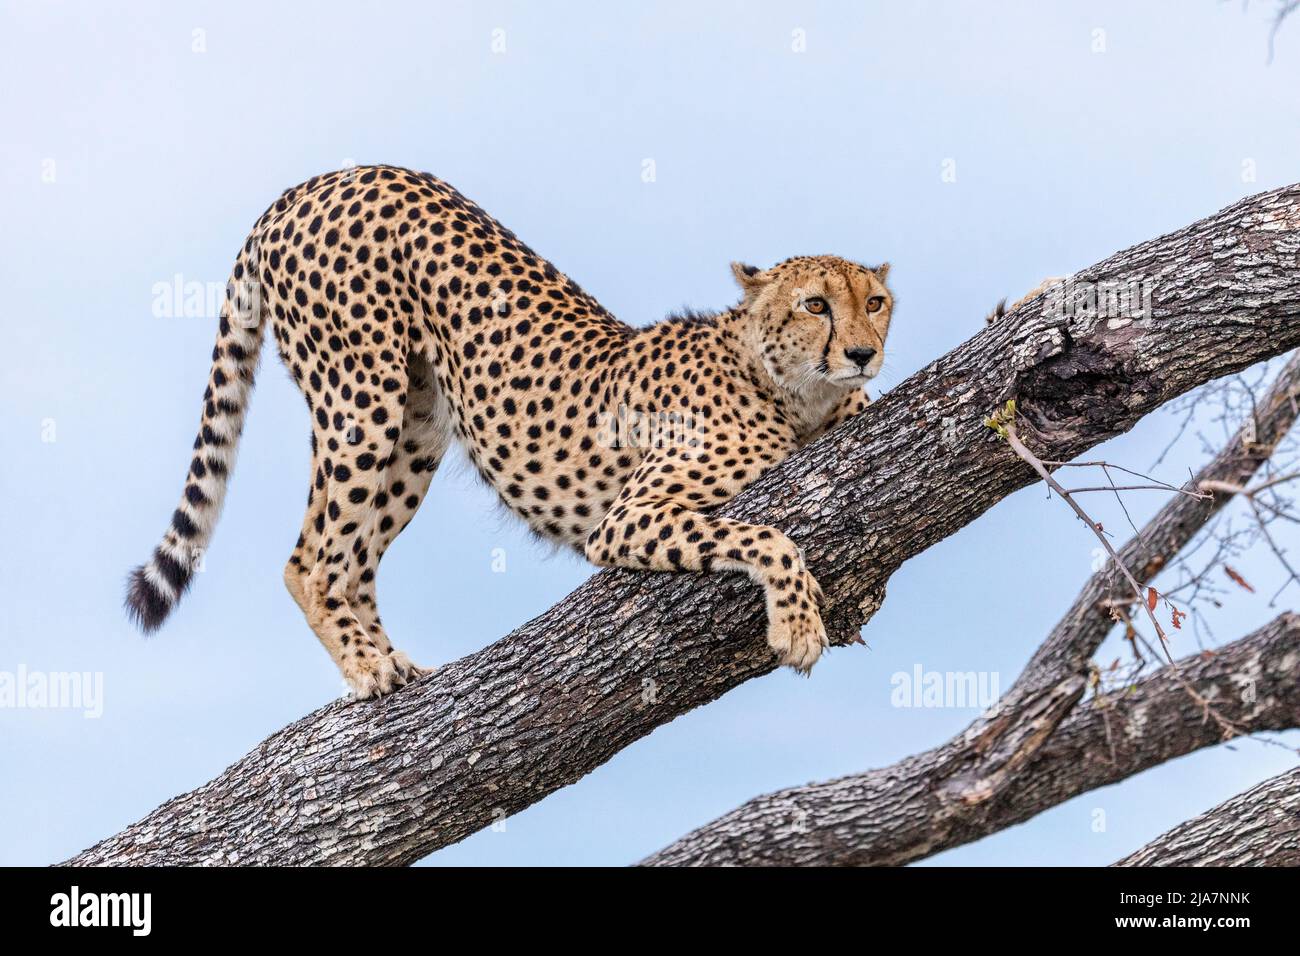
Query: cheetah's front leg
pixel 663 534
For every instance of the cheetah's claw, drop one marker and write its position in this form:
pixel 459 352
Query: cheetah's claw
pixel 380 674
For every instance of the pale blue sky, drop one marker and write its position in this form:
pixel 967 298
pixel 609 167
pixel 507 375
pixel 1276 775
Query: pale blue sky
pixel 161 157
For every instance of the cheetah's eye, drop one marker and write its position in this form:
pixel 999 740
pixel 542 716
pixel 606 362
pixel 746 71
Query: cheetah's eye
pixel 816 305
pixel 875 303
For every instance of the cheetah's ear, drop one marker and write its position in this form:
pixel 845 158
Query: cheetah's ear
pixel 749 278
pixel 881 271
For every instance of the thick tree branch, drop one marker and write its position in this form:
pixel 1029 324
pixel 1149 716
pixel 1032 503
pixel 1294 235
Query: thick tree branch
pixel 1080 632
pixel 901 822
pixel 497 731
pixel 889 816
pixel 1260 827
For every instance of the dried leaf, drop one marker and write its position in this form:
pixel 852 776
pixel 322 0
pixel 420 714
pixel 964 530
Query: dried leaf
pixel 1152 598
pixel 1237 578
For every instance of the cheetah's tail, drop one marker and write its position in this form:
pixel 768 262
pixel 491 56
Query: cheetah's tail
pixel 155 587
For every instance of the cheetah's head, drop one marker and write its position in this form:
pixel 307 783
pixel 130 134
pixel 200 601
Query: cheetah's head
pixel 819 320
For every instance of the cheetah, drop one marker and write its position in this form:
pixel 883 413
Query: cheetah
pixel 410 318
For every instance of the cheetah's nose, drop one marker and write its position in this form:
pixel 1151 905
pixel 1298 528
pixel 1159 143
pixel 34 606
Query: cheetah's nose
pixel 860 356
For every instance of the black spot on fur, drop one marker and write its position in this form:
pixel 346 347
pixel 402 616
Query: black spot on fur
pixel 183 525
pixel 177 574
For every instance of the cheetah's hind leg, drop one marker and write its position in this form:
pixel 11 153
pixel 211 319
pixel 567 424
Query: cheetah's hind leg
pixel 417 453
pixel 371 476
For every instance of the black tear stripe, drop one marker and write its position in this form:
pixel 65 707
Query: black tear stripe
pixel 826 349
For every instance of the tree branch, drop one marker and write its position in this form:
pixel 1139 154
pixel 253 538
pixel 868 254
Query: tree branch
pixel 890 816
pixel 494 732
pixel 1080 632
pixel 1260 827
pixel 898 822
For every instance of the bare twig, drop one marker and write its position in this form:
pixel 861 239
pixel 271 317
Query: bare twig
pixel 1285 9
pixel 1033 461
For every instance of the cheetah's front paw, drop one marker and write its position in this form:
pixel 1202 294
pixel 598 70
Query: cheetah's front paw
pixel 410 670
pixel 795 631
pixel 375 674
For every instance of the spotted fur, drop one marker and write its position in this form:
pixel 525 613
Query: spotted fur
pixel 410 318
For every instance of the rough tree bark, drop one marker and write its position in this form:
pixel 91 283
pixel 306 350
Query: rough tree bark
pixel 983 780
pixel 496 731
pixel 851 821
pixel 1260 827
